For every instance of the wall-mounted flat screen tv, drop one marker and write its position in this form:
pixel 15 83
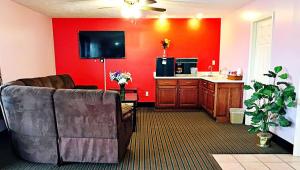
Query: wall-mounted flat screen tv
pixel 102 44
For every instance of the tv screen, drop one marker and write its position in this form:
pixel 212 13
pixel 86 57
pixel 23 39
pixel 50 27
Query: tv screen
pixel 102 44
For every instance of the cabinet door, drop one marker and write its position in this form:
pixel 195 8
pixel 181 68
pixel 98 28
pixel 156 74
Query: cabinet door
pixel 204 98
pixel 188 96
pixel 229 96
pixel 201 96
pixel 166 96
pixel 210 101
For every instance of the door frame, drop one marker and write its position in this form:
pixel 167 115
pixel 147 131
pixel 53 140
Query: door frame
pixel 252 51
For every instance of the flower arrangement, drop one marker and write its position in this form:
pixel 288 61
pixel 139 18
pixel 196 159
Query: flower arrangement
pixel 165 43
pixel 121 78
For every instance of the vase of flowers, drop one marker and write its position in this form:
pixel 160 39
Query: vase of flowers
pixel 122 79
pixel 165 44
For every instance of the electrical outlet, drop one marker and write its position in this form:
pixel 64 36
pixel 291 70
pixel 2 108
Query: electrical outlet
pixel 213 62
pixel 147 93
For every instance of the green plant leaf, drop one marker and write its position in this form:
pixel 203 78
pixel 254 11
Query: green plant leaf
pixel 279 101
pixel 250 103
pixel 278 69
pixel 258 117
pixel 284 76
pixel 247 87
pixel 256 96
pixel 272 124
pixel 291 102
pixel 267 92
pixel 273 74
pixel 269 75
pixel 283 121
pixel 249 113
pixel 253 130
pixel 289 88
pixel 284 83
pixel 257 86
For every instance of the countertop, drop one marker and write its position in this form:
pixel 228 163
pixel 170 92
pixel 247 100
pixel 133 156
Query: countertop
pixel 216 78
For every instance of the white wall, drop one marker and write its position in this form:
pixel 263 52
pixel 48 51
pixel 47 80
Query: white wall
pixel 26 42
pixel 297 52
pixel 235 44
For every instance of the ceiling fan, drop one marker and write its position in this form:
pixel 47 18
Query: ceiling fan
pixel 144 5
pixel 141 4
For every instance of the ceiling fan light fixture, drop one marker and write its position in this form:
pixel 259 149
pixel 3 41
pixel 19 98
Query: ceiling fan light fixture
pixel 131 11
pixel 199 16
pixel 163 16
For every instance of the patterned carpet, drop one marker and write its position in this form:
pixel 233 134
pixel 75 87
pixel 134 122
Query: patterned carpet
pixel 165 140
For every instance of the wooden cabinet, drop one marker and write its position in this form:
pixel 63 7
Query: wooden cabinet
pixel 176 93
pixel 207 96
pixel 228 96
pixel 210 101
pixel 215 98
pixel 166 94
pixel 188 93
pixel 218 98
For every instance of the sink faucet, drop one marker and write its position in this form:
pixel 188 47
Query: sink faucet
pixel 211 69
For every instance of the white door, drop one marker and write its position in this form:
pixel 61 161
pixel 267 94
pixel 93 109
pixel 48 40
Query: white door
pixel 261 49
pixel 260 55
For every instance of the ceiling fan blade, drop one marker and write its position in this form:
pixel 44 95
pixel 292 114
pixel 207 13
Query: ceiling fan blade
pixel 106 7
pixel 149 8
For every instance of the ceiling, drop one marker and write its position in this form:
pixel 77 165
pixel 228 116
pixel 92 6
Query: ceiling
pixel 89 8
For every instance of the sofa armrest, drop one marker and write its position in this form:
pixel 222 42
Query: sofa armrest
pixel 87 87
pixel 127 116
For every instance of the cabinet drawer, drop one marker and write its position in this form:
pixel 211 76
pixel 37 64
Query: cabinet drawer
pixel 204 83
pixel 211 86
pixel 188 82
pixel 167 82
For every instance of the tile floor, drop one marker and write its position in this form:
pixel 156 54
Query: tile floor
pixel 257 161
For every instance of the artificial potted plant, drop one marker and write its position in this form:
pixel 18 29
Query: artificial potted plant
pixel 268 103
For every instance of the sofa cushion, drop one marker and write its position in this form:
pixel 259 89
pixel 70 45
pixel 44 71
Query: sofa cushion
pixel 32 82
pixel 69 83
pixel 127 109
pixel 57 82
pixel 46 82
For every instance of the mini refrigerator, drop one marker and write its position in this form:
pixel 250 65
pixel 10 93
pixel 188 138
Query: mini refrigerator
pixel 165 67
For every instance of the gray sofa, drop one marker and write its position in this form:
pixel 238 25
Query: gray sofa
pixel 50 121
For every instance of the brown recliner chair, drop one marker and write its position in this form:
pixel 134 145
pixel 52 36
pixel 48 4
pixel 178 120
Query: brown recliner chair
pixel 91 127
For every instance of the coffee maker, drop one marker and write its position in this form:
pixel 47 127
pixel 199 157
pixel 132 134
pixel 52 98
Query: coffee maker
pixel 185 65
pixel 165 67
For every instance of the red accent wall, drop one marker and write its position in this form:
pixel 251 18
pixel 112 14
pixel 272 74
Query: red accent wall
pixel 142 47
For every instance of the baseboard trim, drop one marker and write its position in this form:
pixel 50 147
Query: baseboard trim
pixel 146 104
pixel 283 143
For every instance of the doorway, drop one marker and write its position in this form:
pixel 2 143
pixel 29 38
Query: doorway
pixel 260 53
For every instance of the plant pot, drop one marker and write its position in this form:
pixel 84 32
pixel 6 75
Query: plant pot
pixel 264 139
